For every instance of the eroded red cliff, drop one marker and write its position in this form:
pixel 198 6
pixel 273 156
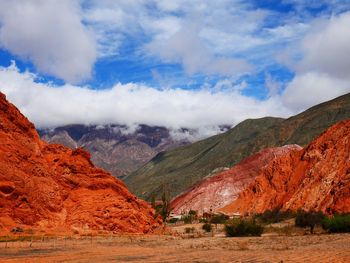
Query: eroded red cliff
pixel 317 177
pixel 223 188
pixel 51 187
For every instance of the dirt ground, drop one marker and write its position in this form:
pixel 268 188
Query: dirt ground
pixel 184 248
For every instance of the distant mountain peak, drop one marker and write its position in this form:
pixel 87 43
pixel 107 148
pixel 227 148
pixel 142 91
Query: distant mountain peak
pixel 121 149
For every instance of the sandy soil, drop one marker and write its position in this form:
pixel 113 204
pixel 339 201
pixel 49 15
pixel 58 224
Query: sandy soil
pixel 310 248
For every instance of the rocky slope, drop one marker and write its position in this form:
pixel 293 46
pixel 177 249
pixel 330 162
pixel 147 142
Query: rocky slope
pixel 218 190
pixel 115 148
pixel 50 187
pixel 183 167
pixel 317 177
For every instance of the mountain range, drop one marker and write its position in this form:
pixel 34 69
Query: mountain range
pixel 117 148
pixel 175 171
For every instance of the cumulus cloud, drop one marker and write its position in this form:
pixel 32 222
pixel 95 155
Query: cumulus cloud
pixel 187 48
pixel 334 6
pixel 64 38
pixel 273 86
pixel 51 35
pixel 130 104
pixel 311 88
pixel 197 133
pixel 205 37
pixel 327 48
pixel 323 72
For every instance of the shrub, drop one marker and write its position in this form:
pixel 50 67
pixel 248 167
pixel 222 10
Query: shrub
pixel 207 227
pixel 240 228
pixel 203 220
pixel 173 220
pixel 337 224
pixel 189 230
pixel 192 213
pixel 17 230
pixel 188 219
pixel 218 219
pixel 274 216
pixel 308 219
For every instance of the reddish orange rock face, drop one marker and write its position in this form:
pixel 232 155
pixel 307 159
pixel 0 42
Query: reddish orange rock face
pixel 224 187
pixel 317 177
pixel 51 187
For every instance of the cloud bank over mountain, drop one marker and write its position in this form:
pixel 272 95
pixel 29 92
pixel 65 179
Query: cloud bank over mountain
pixel 50 106
pixel 231 58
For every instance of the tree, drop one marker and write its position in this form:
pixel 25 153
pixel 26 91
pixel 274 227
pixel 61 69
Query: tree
pixel 207 227
pixel 165 209
pixel 192 213
pixel 218 219
pixel 240 228
pixel 153 202
pixel 309 219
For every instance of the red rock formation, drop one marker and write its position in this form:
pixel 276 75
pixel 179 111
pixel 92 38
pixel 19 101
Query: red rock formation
pixel 51 187
pixel 223 188
pixel 317 177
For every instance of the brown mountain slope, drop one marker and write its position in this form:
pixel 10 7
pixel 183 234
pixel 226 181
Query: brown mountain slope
pixel 317 177
pixel 113 147
pixel 218 190
pixel 53 188
pixel 181 168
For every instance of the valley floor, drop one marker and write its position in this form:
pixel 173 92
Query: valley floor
pixel 309 248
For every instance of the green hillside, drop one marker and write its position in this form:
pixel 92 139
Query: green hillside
pixel 178 169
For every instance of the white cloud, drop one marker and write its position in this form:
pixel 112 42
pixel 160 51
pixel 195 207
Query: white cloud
pixel 273 86
pixel 196 134
pixel 334 6
pixel 187 48
pixel 51 35
pixel 312 88
pixel 206 37
pixel 49 106
pixel 327 49
pixel 323 72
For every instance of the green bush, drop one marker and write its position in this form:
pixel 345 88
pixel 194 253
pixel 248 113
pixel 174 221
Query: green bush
pixel 308 219
pixel 218 219
pixel 274 216
pixel 192 213
pixel 337 224
pixel 203 220
pixel 207 227
pixel 187 219
pixel 189 230
pixel 241 228
pixel 173 220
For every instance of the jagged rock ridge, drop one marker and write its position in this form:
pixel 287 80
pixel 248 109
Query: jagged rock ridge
pixel 219 190
pixel 50 187
pixel 315 178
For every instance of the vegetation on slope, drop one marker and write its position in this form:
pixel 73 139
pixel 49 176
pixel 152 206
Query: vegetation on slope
pixel 180 168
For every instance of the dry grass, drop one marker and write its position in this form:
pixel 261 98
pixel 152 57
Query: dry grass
pixel 134 248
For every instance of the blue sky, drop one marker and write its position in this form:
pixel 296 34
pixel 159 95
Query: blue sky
pixel 174 63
